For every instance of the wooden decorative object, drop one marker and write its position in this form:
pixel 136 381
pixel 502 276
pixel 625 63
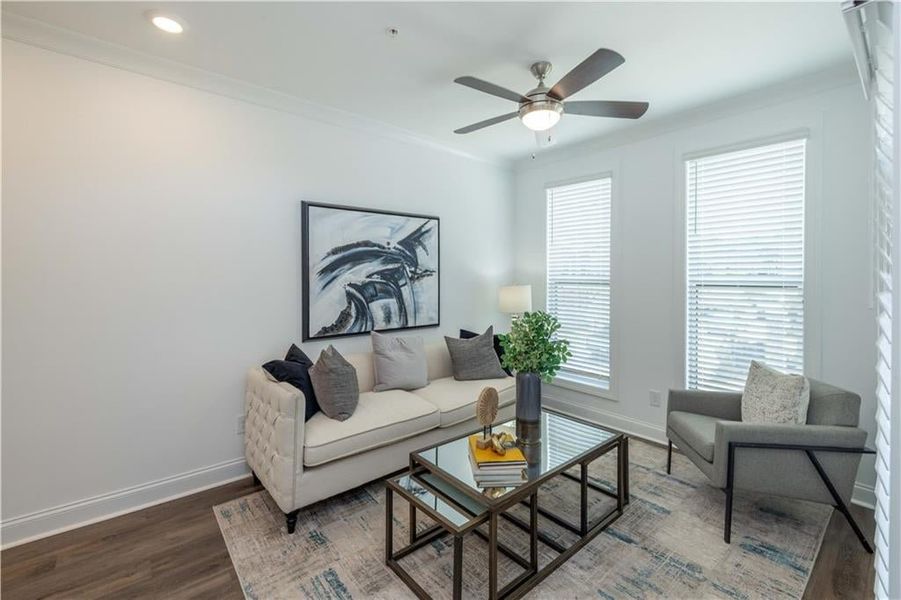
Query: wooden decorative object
pixel 486 407
pixel 486 413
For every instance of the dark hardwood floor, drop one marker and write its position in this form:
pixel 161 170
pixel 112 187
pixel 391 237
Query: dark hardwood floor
pixel 175 550
pixel 172 550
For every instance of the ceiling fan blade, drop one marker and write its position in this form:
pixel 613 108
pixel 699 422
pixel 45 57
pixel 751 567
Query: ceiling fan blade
pixel 490 88
pixel 487 123
pixel 606 108
pixel 587 72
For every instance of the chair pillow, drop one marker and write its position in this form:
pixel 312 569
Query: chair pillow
pixel 335 383
pixel 474 358
pixel 294 370
pixel 498 349
pixel 774 397
pixel 399 363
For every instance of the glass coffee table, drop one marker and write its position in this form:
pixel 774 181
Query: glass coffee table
pixel 440 484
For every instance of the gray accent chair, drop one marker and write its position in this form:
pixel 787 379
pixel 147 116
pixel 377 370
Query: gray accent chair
pixel 816 461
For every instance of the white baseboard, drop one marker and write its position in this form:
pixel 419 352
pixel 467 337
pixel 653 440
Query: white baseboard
pixel 863 495
pixel 50 521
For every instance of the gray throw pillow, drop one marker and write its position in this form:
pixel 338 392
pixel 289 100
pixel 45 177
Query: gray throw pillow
pixel 399 363
pixel 774 397
pixel 335 383
pixel 475 358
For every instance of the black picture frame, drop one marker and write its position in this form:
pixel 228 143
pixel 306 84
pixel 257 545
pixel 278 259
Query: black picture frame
pixel 305 266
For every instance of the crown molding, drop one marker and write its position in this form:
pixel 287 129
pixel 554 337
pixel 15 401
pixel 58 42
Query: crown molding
pixel 785 91
pixel 65 41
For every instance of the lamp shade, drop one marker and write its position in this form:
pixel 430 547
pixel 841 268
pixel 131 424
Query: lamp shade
pixel 515 299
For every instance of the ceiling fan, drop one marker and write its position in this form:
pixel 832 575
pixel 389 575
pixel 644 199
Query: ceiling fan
pixel 541 108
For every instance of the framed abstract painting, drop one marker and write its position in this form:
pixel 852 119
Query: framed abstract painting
pixel 368 270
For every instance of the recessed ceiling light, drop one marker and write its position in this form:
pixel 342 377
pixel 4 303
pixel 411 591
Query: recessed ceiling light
pixel 167 23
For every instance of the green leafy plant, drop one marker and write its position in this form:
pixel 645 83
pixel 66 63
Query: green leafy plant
pixel 532 347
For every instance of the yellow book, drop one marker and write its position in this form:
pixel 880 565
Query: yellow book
pixel 488 456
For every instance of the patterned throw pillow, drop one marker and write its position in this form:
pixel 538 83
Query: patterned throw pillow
pixel 465 334
pixel 335 383
pixel 774 397
pixel 475 358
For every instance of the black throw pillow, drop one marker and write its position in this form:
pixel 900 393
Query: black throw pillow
pixel 294 370
pixel 465 334
pixel 295 354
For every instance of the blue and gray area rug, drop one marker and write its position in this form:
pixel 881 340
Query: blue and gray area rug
pixel 668 544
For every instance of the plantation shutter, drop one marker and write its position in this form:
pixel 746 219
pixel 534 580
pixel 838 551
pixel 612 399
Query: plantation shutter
pixel 875 20
pixel 578 276
pixel 745 271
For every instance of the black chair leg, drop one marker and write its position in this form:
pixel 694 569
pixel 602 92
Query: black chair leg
pixel 256 480
pixel 291 520
pixel 839 503
pixel 730 478
pixel 727 527
pixel 669 458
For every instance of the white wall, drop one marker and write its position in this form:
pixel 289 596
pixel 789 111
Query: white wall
pixel 151 243
pixel 648 243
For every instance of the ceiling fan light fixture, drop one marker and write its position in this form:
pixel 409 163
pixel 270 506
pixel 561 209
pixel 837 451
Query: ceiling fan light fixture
pixel 541 108
pixel 541 115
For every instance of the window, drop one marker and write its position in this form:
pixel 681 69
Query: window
pixel 745 271
pixel 578 276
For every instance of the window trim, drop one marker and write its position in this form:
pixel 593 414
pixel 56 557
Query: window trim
pixel 813 319
pixel 574 382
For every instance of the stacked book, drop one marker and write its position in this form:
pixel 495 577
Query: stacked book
pixel 490 469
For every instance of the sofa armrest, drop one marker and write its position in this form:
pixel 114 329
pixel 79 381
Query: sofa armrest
pixel 722 405
pixel 273 434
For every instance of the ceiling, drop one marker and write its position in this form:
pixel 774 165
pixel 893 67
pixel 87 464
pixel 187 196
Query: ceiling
pixel 678 55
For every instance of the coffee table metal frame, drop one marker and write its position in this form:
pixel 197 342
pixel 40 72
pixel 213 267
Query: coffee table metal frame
pixel 433 479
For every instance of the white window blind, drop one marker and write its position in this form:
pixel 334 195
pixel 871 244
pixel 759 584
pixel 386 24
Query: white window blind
pixel 745 251
pixel 578 276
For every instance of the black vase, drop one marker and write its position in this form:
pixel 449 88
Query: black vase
pixel 528 408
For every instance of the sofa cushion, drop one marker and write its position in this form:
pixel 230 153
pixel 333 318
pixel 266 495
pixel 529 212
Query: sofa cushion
pixel 381 418
pixel 698 431
pixel 456 399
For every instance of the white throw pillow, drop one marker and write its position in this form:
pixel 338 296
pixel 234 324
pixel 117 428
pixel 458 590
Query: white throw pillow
pixel 774 397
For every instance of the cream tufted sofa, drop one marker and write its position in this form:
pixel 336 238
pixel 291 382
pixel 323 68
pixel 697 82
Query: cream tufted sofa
pixel 300 463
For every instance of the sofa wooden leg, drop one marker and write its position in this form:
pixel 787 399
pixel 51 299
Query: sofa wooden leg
pixel 291 520
pixel 256 480
pixel 669 458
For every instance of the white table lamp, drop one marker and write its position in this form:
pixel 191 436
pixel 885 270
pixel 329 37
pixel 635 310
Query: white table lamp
pixel 515 299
